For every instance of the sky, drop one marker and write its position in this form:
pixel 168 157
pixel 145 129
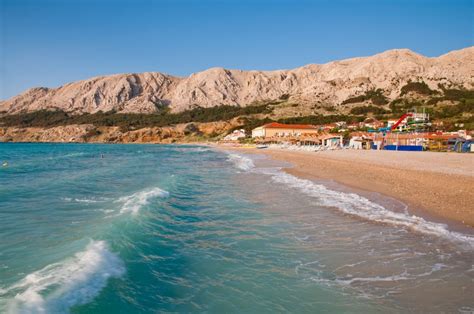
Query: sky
pixel 53 42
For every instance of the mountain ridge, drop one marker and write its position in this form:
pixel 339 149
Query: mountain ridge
pixel 328 84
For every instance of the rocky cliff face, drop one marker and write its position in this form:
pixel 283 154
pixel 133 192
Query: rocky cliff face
pixel 88 133
pixel 330 83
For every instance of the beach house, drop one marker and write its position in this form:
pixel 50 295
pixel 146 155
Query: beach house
pixel 235 135
pixel 275 129
pixel 331 140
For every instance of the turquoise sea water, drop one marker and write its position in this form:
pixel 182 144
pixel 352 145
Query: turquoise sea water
pixel 150 228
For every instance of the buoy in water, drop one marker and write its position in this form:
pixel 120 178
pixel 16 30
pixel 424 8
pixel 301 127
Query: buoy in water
pixel 5 164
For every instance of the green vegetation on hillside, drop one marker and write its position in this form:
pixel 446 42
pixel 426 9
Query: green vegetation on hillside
pixel 400 105
pixel 463 103
pixel 418 87
pixel 450 111
pixel 376 96
pixel 44 118
pixel 453 95
pixel 363 110
pixel 248 124
pixel 320 119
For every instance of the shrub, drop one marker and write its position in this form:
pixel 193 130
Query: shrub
pixel 320 119
pixel 453 95
pixel 376 96
pixel 401 106
pixel 457 94
pixel 454 110
pixel 366 109
pixel 248 124
pixel 126 121
pixel 41 118
pixel 417 87
pixel 91 133
pixel 191 128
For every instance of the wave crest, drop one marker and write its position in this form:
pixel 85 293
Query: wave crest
pixel 241 162
pixel 58 287
pixel 134 202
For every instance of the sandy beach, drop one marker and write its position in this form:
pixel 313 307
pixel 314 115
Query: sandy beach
pixel 433 185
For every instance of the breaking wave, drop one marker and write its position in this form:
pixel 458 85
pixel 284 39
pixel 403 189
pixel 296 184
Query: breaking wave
pixel 60 286
pixel 134 202
pixel 241 162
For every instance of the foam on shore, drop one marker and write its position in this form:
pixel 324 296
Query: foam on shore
pixel 353 204
pixel 60 286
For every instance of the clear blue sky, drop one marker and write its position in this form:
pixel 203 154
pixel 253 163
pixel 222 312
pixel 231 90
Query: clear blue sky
pixel 52 42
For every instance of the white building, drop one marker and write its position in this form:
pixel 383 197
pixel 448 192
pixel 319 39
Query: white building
pixel 235 135
pixel 258 132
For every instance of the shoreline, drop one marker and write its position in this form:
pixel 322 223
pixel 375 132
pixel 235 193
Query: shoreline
pixel 440 195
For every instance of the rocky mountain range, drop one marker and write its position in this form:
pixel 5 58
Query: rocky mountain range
pixel 326 84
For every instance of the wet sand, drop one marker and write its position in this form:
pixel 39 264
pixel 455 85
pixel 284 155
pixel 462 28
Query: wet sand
pixel 434 185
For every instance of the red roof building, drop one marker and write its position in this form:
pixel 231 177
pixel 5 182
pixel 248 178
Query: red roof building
pixel 275 129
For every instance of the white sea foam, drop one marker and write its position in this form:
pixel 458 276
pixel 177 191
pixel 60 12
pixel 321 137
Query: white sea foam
pixel 391 278
pixel 134 202
pixel 353 204
pixel 85 200
pixel 241 162
pixel 58 287
pixel 199 149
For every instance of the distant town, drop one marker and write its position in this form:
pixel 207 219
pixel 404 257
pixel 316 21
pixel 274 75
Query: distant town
pixel 411 132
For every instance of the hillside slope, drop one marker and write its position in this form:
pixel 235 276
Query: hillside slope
pixel 328 84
